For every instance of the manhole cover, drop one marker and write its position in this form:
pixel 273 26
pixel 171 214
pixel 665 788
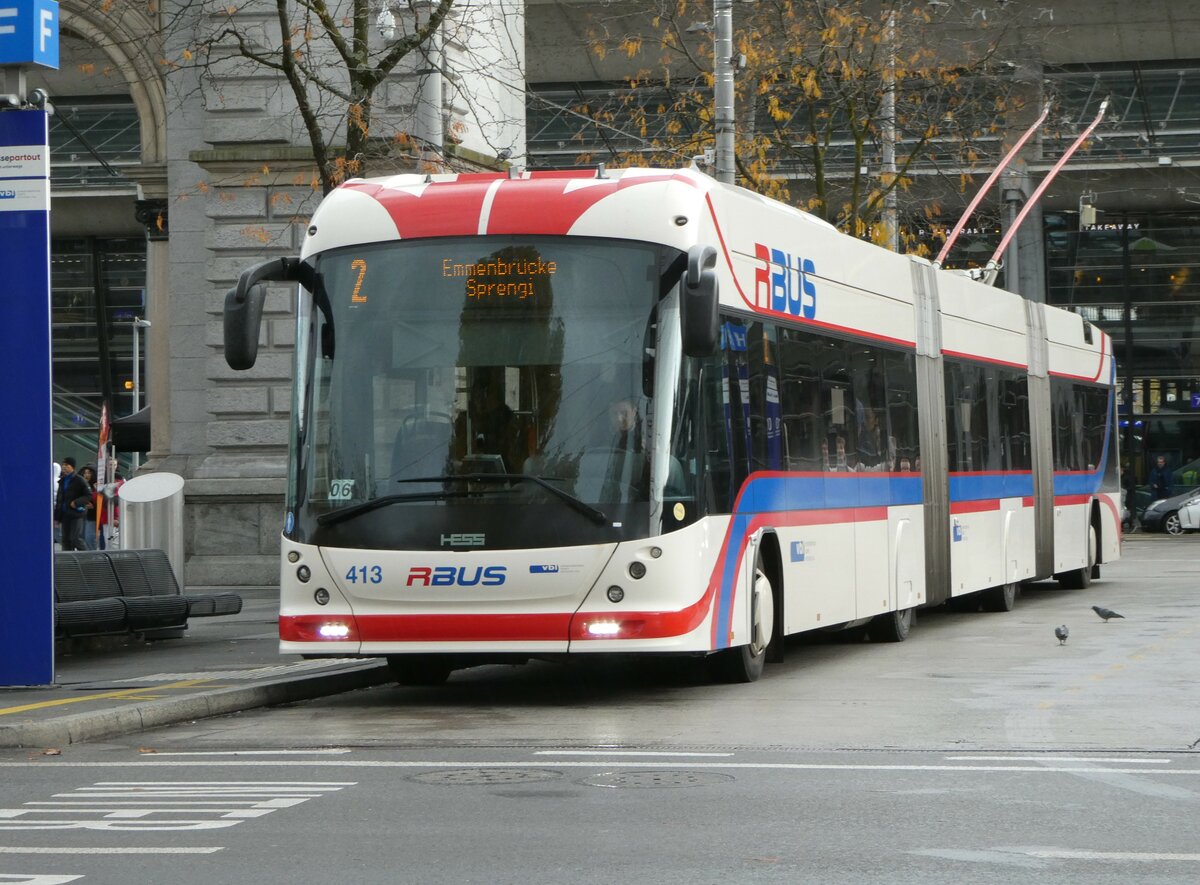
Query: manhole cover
pixel 650 779
pixel 477 776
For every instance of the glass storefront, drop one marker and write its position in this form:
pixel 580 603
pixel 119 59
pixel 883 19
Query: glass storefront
pixel 97 290
pixel 97 282
pixel 1137 276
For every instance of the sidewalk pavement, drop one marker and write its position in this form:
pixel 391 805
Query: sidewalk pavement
pixel 112 686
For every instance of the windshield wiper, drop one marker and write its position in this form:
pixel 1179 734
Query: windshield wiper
pixel 349 512
pixel 595 515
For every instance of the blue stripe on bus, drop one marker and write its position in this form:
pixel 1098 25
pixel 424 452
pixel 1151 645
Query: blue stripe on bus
pixel 1078 483
pixel 828 491
pixel 990 486
pixel 779 493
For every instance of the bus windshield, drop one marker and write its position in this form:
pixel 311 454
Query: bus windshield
pixel 477 392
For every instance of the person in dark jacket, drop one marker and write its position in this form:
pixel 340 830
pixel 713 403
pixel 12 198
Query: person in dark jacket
pixel 90 538
pixel 70 506
pixel 1160 480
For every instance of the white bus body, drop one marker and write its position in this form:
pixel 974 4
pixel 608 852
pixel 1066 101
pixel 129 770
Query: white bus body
pixel 809 319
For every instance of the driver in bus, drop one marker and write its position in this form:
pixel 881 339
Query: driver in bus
pixel 489 426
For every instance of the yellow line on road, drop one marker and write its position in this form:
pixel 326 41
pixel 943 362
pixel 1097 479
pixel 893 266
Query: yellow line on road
pixel 127 694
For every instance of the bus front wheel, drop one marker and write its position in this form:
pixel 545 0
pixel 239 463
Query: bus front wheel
pixel 745 662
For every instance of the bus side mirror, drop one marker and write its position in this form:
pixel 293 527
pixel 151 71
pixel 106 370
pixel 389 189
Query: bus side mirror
pixel 698 306
pixel 244 306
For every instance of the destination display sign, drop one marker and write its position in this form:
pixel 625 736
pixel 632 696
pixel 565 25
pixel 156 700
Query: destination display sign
pixel 498 278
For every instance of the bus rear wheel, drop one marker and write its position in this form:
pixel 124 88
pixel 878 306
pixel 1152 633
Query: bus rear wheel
pixel 1000 599
pixel 745 663
pixel 891 626
pixel 419 669
pixel 1081 578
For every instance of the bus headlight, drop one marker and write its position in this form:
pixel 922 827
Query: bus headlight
pixel 321 597
pixel 637 570
pixel 615 594
pixel 303 574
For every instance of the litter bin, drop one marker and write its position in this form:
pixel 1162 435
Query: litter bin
pixel 152 516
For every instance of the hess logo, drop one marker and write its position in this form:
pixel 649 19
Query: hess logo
pixel 450 576
pixel 463 539
pixel 788 281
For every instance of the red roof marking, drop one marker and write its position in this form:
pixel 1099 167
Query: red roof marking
pixel 541 205
pixel 545 206
pixel 441 210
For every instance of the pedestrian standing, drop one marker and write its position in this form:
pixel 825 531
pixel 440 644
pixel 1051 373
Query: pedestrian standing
pixel 1160 480
pixel 90 540
pixel 70 506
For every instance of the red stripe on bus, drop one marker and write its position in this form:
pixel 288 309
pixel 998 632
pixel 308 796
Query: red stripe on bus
pixel 981 506
pixel 519 627
pixel 643 625
pixel 1107 502
pixel 982 359
pixel 1099 367
pixel 1065 500
pixel 527 626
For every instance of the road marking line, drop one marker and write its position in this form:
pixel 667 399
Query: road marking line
pixel 334 751
pixel 149 762
pixel 1055 759
pixel 19 849
pixel 621 753
pixel 1139 856
pixel 139 802
pixel 126 694
pixel 286 784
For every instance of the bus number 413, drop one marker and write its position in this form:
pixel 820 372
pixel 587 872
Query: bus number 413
pixel 371 574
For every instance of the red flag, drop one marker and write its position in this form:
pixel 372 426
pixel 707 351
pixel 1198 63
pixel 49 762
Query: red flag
pixel 102 461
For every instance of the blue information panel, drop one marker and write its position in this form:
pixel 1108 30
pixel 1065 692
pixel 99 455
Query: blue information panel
pixel 26 482
pixel 29 32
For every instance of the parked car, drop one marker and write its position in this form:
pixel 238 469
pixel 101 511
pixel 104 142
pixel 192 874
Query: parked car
pixel 1173 515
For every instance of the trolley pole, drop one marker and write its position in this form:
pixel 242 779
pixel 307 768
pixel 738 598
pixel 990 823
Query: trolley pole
pixel 28 36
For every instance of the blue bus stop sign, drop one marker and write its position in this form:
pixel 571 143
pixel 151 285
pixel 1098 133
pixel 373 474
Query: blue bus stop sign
pixel 29 32
pixel 28 36
pixel 26 505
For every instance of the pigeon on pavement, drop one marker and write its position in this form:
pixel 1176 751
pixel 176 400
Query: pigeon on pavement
pixel 1061 633
pixel 1105 613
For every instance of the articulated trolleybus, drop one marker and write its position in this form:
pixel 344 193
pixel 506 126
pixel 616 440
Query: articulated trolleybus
pixel 551 413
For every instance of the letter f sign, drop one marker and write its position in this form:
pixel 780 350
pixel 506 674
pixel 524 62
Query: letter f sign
pixel 46 27
pixel 41 33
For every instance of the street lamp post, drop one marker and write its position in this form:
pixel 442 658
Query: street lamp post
pixel 137 324
pixel 723 88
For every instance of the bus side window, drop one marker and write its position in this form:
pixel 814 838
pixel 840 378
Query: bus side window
pixel 717 469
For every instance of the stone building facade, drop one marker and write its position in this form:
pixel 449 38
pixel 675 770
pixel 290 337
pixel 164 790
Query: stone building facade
pixel 216 177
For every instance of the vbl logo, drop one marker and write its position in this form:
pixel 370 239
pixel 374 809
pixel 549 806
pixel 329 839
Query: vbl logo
pixel 449 576
pixel 788 282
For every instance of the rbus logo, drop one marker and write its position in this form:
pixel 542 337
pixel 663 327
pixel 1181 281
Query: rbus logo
pixel 787 281
pixel 449 576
